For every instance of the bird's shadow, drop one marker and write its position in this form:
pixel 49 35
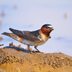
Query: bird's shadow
pixel 18 49
pixel 21 49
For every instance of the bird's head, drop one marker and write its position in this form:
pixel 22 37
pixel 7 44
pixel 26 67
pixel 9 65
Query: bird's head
pixel 47 29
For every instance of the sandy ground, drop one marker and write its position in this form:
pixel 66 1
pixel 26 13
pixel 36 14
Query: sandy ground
pixel 13 59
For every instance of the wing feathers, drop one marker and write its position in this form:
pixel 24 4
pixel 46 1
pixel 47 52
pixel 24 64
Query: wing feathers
pixel 17 32
pixel 25 35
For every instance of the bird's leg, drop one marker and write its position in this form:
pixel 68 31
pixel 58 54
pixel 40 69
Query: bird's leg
pixel 28 47
pixel 36 49
pixel 11 44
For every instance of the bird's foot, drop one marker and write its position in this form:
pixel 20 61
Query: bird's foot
pixel 35 51
pixel 29 50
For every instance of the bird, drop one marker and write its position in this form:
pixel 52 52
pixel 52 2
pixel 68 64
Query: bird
pixel 31 38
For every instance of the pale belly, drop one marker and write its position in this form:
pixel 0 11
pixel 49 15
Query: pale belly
pixel 33 43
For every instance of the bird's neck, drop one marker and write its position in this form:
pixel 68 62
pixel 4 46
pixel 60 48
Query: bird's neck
pixel 43 36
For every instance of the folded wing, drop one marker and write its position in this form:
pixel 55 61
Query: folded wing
pixel 25 35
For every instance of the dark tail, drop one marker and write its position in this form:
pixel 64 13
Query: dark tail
pixel 5 33
pixel 10 35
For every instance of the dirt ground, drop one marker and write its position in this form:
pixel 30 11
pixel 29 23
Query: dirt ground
pixel 21 60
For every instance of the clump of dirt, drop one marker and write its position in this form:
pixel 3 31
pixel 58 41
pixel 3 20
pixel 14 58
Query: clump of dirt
pixel 19 60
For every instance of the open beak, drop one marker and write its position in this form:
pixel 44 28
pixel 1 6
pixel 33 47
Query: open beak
pixel 52 28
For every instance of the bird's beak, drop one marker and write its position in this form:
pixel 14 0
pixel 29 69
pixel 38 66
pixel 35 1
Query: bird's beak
pixel 49 25
pixel 52 28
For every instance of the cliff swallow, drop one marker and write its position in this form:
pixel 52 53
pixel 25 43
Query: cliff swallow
pixel 31 38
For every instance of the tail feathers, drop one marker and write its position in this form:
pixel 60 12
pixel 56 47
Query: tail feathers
pixel 13 36
pixel 5 33
pixel 10 35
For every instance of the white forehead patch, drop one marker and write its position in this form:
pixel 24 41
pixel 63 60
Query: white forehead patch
pixel 50 26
